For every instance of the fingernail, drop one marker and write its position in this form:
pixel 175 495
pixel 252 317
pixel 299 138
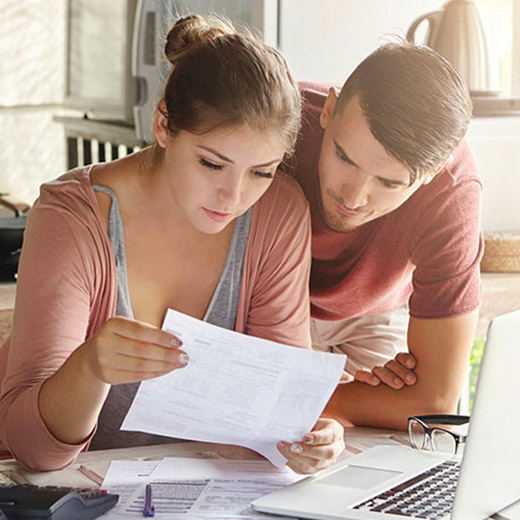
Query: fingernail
pixel 307 439
pixel 296 448
pixel 409 378
pixel 183 359
pixel 397 382
pixel 176 342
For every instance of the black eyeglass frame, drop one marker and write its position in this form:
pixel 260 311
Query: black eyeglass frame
pixel 449 420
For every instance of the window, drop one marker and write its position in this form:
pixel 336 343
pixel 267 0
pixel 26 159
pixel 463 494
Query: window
pixel 502 20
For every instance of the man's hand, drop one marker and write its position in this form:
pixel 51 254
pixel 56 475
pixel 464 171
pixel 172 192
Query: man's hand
pixel 441 348
pixel 318 449
pixel 396 373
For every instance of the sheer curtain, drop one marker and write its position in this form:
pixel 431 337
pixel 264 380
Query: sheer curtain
pixel 502 18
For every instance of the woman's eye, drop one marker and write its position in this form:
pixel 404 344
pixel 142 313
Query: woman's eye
pixel 210 165
pixel 263 175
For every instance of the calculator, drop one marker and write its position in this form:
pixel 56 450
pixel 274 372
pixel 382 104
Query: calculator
pixel 28 502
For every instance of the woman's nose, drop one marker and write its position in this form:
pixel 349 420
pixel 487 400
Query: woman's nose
pixel 229 191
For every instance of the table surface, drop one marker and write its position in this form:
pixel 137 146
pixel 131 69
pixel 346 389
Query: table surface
pixel 91 467
pixel 7 295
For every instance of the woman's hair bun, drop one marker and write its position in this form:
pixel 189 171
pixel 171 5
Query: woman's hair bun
pixel 191 30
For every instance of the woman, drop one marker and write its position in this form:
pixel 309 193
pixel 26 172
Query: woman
pixel 198 222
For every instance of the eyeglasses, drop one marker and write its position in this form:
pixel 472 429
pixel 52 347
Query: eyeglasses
pixel 436 438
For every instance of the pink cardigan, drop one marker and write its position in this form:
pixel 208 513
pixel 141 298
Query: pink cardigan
pixel 67 289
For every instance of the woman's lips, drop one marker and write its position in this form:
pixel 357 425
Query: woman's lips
pixel 217 216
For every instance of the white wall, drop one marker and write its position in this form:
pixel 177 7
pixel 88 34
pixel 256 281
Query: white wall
pixel 32 46
pixel 322 40
pixel 496 145
pixel 325 40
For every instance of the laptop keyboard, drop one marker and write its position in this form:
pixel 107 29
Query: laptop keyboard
pixel 428 495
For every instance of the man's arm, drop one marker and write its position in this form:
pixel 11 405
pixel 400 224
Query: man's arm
pixel 441 348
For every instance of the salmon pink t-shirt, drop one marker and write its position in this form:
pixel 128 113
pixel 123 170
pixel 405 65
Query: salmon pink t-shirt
pixel 425 253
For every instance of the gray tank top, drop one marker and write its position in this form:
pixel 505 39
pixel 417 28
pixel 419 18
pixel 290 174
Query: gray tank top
pixel 222 311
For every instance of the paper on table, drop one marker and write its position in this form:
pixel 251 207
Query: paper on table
pixel 124 478
pixel 236 389
pixel 202 488
pixel 511 512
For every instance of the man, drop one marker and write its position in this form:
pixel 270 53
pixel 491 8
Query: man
pixel 395 201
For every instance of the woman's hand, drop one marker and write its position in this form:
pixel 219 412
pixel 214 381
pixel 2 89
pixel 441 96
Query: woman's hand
pixel 396 373
pixel 126 351
pixel 318 450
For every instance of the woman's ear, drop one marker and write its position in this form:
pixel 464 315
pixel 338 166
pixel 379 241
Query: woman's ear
pixel 160 125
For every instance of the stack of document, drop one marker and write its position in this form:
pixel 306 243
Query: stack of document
pixel 184 488
pixel 236 389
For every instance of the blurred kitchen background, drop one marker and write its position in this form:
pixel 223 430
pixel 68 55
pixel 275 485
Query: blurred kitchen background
pixel 69 96
pixel 321 39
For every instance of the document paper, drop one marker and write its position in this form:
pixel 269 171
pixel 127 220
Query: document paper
pixel 192 488
pixel 126 477
pixel 236 389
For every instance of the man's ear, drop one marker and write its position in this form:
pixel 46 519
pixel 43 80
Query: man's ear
pixel 328 108
pixel 160 125
pixel 429 178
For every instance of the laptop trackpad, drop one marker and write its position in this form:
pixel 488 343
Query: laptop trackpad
pixel 359 477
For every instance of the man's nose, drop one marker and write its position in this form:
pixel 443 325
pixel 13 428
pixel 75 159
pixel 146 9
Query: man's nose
pixel 355 193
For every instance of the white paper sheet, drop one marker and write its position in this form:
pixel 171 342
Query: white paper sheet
pixel 510 513
pixel 124 477
pixel 201 488
pixel 236 389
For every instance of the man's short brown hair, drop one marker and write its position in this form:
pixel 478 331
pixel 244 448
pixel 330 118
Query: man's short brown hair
pixel 416 104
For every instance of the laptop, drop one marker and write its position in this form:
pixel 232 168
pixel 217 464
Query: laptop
pixel 487 474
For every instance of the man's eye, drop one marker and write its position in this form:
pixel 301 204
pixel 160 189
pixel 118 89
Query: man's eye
pixel 389 185
pixel 340 155
pixel 210 165
pixel 343 157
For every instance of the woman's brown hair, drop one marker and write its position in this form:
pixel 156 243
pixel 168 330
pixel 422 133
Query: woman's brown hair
pixel 222 78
